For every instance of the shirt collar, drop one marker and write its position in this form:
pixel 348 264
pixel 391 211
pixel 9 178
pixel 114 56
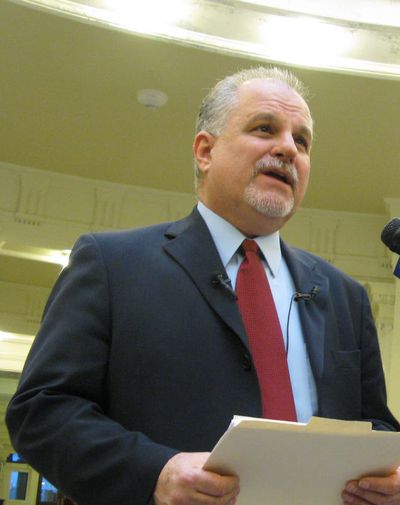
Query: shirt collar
pixel 228 239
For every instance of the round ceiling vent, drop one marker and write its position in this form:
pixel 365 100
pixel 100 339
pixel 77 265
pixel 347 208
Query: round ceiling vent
pixel 151 98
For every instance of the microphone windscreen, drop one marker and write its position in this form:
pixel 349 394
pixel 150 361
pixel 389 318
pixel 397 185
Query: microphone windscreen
pixel 391 235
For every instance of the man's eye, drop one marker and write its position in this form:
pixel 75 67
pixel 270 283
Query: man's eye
pixel 264 128
pixel 302 142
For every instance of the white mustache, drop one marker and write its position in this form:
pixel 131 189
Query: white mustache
pixel 270 163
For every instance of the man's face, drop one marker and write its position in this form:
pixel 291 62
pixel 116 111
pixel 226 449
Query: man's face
pixel 255 174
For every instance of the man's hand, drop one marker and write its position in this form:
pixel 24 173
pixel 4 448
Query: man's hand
pixel 183 481
pixel 373 490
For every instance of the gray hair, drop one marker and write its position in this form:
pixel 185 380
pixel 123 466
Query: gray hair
pixel 222 98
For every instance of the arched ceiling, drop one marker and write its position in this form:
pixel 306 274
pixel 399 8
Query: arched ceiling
pixel 68 104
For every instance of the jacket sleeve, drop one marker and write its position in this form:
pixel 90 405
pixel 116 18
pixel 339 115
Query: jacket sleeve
pixel 58 418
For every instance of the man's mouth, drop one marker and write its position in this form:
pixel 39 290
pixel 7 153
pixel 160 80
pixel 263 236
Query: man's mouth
pixel 279 174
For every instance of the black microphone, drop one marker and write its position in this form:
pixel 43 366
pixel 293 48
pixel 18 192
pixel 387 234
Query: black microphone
pixel 219 279
pixel 306 297
pixel 391 235
pixel 391 238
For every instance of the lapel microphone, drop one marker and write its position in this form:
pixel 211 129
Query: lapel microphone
pixel 219 279
pixel 298 297
pixel 306 297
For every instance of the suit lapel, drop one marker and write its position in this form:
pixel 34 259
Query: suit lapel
pixel 312 313
pixel 190 244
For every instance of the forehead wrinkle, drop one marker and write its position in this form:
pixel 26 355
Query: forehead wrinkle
pixel 263 115
pixel 274 95
pixel 288 99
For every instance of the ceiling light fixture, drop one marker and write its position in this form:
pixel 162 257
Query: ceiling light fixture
pixel 353 37
pixel 304 40
pixel 382 12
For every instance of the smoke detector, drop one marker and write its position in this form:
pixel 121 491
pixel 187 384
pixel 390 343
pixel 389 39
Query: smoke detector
pixel 151 98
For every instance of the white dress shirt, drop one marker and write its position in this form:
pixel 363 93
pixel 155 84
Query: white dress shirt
pixel 227 240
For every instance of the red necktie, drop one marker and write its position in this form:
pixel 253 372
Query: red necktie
pixel 263 330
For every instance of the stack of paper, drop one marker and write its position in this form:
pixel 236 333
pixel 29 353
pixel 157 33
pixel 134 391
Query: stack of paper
pixel 284 463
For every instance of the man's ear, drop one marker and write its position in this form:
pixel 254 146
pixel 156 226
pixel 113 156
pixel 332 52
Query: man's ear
pixel 202 147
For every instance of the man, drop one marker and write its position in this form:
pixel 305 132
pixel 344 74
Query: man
pixel 143 357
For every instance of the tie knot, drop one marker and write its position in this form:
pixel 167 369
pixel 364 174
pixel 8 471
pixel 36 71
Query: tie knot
pixel 250 246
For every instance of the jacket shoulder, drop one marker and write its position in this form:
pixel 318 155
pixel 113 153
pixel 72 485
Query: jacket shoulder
pixel 321 265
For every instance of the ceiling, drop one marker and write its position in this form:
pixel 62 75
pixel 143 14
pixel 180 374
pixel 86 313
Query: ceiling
pixel 68 104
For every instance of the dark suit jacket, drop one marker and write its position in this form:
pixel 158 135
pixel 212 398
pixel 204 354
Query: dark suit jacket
pixel 141 355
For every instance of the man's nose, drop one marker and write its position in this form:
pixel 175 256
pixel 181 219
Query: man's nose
pixel 285 148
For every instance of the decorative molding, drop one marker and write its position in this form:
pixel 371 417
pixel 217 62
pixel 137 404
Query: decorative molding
pixel 393 206
pixel 49 210
pixel 21 307
pixel 382 296
pixel 5 443
pixel 32 196
pixel 350 241
pixel 107 208
pixel 14 352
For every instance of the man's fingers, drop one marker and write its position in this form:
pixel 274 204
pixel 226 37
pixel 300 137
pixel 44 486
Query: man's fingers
pixel 213 484
pixel 389 485
pixel 204 499
pixel 373 490
pixel 358 496
pixel 183 481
